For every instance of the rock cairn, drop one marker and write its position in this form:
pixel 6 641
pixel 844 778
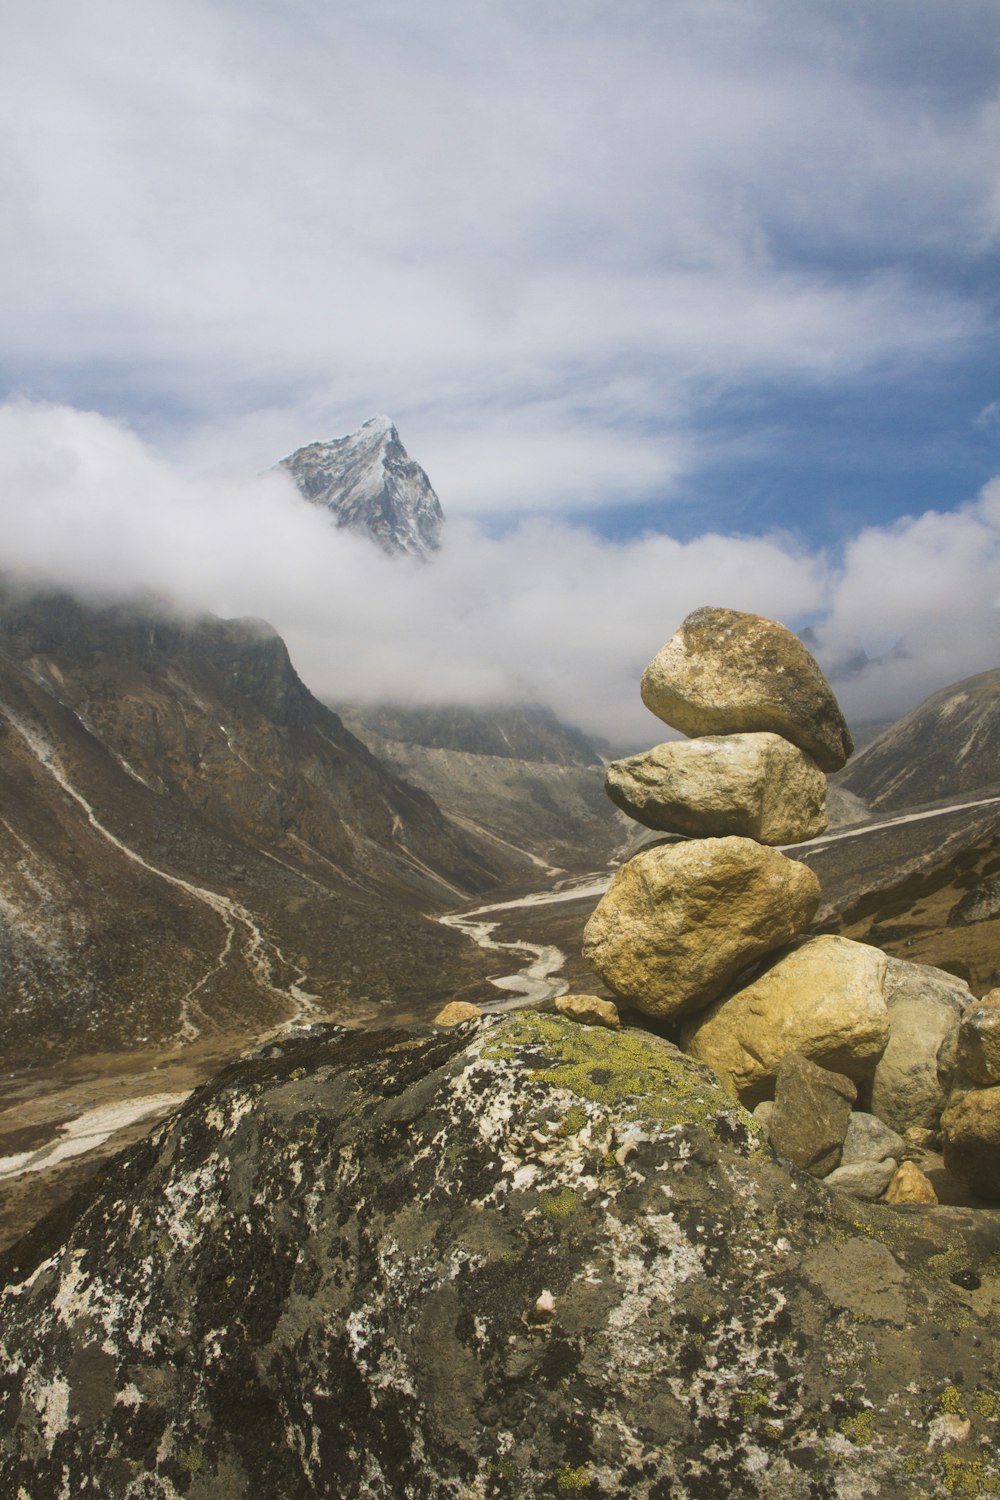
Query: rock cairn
pixel 847 1055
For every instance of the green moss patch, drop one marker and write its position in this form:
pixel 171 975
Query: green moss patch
pixel 631 1071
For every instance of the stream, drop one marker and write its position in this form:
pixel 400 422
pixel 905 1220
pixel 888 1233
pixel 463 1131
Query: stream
pixel 536 981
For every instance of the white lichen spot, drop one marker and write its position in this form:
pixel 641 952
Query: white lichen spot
pixel 52 1404
pixel 947 1429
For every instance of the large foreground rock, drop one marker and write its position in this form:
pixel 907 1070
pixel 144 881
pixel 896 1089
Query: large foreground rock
pixel 680 921
pixel 759 786
pixel 523 1259
pixel 824 999
pixel 925 1005
pixel 725 672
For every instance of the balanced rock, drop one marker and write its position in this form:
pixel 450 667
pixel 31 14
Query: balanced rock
pixel 924 1005
pixel 590 1010
pixel 812 1108
pixel 725 672
pixel 759 786
pixel 680 921
pixel 970 1126
pixel 823 999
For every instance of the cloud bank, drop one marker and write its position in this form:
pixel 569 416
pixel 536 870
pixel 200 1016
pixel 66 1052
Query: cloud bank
pixel 547 612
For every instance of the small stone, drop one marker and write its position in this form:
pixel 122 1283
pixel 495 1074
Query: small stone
pixel 910 1185
pixel 455 1012
pixel 725 672
pixel 757 786
pixel 811 1109
pixel 870 1139
pixel 823 999
pixel 590 1010
pixel 542 1313
pixel 763 1112
pixel 680 921
pixel 919 1138
pixel 862 1179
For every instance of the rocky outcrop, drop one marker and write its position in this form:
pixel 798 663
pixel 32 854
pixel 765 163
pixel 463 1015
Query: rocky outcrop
pixel 680 921
pixel 758 786
pixel 824 999
pixel 527 1258
pixel 725 672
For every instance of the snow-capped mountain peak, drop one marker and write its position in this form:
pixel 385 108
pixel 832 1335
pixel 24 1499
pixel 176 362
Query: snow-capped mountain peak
pixel 368 482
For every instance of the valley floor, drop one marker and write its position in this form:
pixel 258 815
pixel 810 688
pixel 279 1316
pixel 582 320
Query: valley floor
pixel 893 881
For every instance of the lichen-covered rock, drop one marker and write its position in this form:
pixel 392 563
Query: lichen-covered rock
pixel 924 1005
pixel 589 1010
pixel 680 921
pixel 758 786
pixel 527 1259
pixel 970 1127
pixel 812 1107
pixel 823 999
pixel 725 672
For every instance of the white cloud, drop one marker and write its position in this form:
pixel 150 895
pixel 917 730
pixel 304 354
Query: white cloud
pixel 547 612
pixel 232 220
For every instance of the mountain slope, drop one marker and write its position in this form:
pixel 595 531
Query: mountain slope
pixel 369 483
pixel 191 841
pixel 515 776
pixel 949 744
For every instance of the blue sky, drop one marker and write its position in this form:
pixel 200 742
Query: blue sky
pixel 652 267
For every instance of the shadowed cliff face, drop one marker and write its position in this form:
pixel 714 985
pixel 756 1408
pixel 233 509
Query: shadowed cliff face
pixel 521 1258
pixel 189 840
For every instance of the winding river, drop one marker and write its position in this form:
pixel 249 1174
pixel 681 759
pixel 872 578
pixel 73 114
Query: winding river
pixel 537 980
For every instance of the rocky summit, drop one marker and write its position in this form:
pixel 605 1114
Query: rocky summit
pixel 725 672
pixel 518 1258
pixel 369 483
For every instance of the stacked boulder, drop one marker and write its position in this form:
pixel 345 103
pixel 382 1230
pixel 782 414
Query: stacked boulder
pixel 701 934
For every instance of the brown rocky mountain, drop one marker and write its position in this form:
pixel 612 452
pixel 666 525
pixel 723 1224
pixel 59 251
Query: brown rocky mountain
pixel 191 842
pixel 947 745
pixel 532 787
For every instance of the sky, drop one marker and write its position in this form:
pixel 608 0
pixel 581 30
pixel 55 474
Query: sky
pixel 676 301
